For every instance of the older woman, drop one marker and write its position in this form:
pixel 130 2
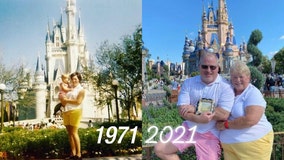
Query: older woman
pixel 72 114
pixel 246 134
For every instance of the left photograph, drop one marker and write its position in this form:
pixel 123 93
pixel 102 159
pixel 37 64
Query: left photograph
pixel 71 79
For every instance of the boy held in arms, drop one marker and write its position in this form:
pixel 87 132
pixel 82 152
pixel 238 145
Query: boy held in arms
pixel 64 87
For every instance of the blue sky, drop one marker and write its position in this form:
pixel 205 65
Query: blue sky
pixel 23 25
pixel 167 22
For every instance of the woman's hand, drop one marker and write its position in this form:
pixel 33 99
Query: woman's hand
pixel 220 125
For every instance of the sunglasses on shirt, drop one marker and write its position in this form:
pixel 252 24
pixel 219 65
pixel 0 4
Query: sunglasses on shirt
pixel 206 67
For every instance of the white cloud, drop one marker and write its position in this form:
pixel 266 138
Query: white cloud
pixel 282 37
pixel 271 54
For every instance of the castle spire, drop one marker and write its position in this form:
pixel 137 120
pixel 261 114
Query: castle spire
pixel 38 64
pixel 61 18
pixel 80 29
pixel 40 89
pixel 47 38
pixel 71 27
pixel 79 67
pixel 223 13
pixel 71 36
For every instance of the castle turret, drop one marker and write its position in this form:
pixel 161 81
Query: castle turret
pixel 222 21
pixel 204 22
pixel 71 41
pixel 185 56
pixel 40 89
pixel 62 29
pixel 228 54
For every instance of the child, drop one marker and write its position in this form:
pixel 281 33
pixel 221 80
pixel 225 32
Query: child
pixel 64 87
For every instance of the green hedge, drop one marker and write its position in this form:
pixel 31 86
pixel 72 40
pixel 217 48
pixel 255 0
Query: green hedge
pixel 274 113
pixel 21 143
pixel 168 116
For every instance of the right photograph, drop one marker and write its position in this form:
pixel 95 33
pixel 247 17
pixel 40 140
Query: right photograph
pixel 212 73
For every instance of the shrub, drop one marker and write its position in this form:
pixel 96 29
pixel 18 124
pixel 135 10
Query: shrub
pixel 257 78
pixel 165 116
pixel 53 143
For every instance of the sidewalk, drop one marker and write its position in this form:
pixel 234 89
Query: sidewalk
pixel 130 157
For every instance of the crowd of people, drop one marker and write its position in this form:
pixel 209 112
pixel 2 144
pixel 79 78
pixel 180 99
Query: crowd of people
pixel 274 84
pixel 237 124
pixel 50 123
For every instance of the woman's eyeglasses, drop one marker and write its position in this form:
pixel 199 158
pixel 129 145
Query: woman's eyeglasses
pixel 206 67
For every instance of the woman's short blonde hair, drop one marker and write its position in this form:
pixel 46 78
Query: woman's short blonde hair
pixel 240 67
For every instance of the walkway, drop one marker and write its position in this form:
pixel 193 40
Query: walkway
pixel 154 96
pixel 131 157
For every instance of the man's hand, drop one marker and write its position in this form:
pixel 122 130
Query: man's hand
pixel 185 109
pixel 205 117
pixel 187 113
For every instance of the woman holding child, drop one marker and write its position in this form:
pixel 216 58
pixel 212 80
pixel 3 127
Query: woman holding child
pixel 72 114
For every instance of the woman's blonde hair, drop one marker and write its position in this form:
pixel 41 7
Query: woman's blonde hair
pixel 239 67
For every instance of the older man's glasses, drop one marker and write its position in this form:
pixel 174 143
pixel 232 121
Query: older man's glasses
pixel 206 67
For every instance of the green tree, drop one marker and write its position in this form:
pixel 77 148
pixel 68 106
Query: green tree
pixel 255 38
pixel 279 58
pixel 165 75
pixel 265 66
pixel 26 106
pixel 123 63
pixel 257 78
pixel 13 77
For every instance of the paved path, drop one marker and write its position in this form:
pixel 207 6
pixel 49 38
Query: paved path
pixel 154 96
pixel 131 157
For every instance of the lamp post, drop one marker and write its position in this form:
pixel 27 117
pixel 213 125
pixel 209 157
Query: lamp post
pixel 145 86
pixel 108 110
pixel 115 86
pixel 2 89
pixel 273 64
pixel 14 107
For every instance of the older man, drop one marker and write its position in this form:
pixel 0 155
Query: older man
pixel 208 88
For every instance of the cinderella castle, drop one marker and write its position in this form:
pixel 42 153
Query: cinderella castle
pixel 66 52
pixel 216 36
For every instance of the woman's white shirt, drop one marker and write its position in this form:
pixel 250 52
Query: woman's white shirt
pixel 73 95
pixel 250 96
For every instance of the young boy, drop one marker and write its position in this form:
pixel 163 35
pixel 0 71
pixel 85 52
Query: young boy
pixel 64 87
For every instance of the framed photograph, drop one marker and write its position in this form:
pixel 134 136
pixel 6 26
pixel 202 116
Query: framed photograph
pixel 205 105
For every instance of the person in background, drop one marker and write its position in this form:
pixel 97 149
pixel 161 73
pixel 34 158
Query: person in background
pixel 90 124
pixel 279 81
pixel 270 83
pixel 174 84
pixel 72 114
pixel 247 134
pixel 210 85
